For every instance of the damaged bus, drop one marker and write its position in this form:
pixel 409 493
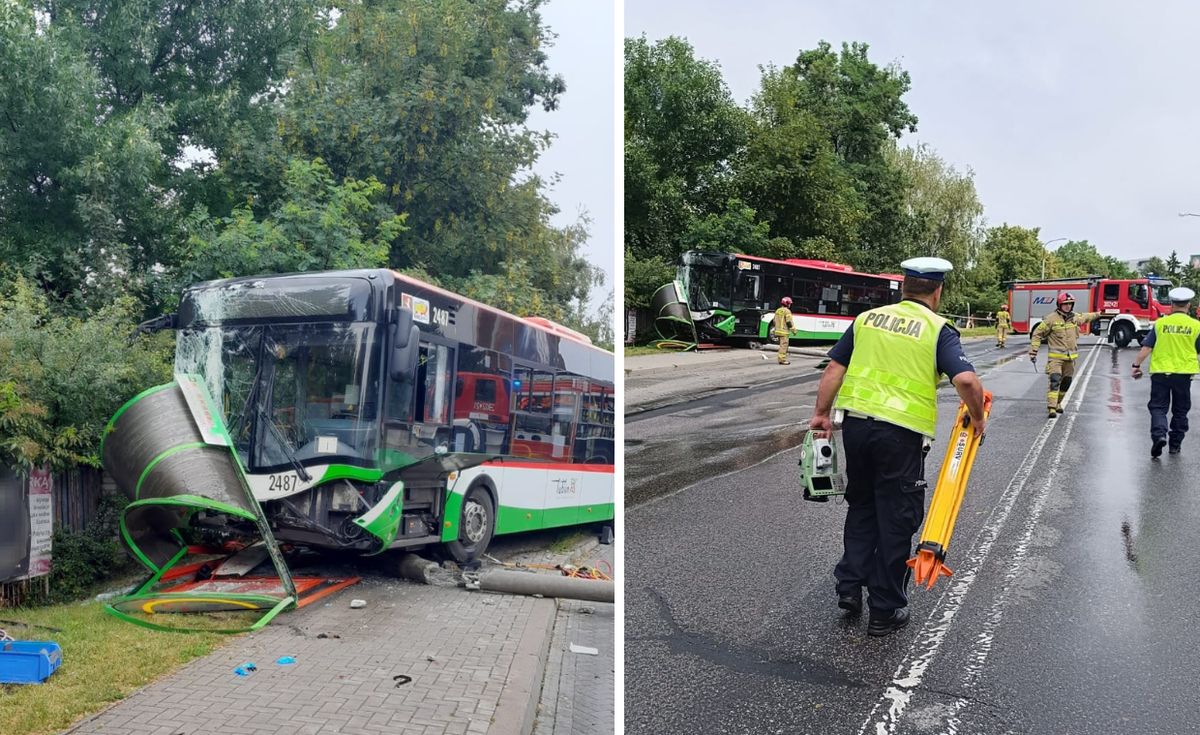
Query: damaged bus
pixel 362 411
pixel 726 297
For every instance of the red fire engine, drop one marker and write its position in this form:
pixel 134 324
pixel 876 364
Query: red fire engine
pixel 1128 306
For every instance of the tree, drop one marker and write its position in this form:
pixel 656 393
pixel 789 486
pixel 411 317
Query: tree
pixel 1017 253
pixel 1154 267
pixel 735 230
pixel 683 132
pixel 944 215
pixel 431 100
pixel 321 225
pixel 62 376
pixel 815 164
pixel 1080 258
pixel 1174 268
pixel 100 100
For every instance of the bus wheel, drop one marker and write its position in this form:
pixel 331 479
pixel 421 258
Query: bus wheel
pixel 1122 334
pixel 476 524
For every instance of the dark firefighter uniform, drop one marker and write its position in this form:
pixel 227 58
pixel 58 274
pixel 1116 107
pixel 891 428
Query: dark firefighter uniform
pixel 893 357
pixel 1003 324
pixel 1172 348
pixel 781 329
pixel 1061 332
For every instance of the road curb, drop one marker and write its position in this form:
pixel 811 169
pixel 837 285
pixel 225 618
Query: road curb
pixel 516 709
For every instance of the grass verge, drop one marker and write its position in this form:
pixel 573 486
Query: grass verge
pixel 635 350
pixel 568 542
pixel 104 660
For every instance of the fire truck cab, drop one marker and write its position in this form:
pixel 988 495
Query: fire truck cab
pixel 1128 306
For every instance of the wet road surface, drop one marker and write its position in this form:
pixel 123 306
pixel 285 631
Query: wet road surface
pixel 1071 609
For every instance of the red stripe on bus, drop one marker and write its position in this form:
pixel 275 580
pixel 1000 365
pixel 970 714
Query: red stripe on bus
pixel 605 468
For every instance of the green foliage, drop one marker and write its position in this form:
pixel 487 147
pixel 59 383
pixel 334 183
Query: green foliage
pixel 682 133
pixel 1174 268
pixel 318 225
pixel 1154 266
pixel 62 376
pixel 84 558
pixel 643 278
pixel 1017 252
pixel 1080 258
pixel 733 230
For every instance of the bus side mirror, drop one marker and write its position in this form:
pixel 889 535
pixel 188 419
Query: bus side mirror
pixel 403 367
pixel 403 331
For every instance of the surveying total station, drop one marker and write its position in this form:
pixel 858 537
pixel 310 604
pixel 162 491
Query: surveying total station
pixel 820 472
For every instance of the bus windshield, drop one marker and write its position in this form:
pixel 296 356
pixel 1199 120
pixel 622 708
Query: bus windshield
pixel 304 393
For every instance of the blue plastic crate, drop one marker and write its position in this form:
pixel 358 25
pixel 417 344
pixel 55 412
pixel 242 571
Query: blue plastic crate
pixel 28 662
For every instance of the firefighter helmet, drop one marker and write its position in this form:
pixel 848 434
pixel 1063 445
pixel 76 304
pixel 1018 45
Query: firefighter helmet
pixel 1065 298
pixel 786 301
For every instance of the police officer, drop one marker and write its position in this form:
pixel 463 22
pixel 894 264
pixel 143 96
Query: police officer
pixel 1061 332
pixel 1003 324
pixel 884 373
pixel 1174 342
pixel 781 327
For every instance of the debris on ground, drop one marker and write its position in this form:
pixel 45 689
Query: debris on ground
pixel 587 650
pixel 286 660
pixel 356 604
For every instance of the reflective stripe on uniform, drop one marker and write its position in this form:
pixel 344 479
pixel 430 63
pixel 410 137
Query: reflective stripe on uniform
pixel 892 375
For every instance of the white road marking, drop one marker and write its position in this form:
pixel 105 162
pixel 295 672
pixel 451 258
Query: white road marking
pixel 979 652
pixel 911 672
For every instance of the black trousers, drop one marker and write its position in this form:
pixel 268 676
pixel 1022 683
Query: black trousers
pixel 885 492
pixel 1173 392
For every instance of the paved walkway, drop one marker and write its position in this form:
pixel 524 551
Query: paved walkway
pixel 476 662
pixel 579 693
pixel 579 689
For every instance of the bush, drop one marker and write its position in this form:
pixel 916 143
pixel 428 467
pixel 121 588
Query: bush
pixel 83 559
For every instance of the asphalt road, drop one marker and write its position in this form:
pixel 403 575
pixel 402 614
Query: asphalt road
pixel 1072 608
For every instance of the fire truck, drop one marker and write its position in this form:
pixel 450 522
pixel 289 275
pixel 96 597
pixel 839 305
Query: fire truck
pixel 1128 306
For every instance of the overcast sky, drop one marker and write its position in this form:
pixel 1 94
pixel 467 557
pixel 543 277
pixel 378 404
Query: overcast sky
pixel 584 54
pixel 1081 118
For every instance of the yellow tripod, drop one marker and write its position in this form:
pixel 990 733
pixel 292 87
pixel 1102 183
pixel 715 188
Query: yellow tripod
pixel 929 564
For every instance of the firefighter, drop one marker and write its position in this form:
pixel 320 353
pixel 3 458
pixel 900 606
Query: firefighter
pixel 884 374
pixel 781 327
pixel 1061 332
pixel 1174 341
pixel 1003 324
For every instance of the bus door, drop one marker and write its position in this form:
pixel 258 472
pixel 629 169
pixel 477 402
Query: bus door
pixel 748 290
pixel 434 393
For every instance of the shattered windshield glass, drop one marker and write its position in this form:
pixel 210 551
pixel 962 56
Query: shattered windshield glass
pixel 303 392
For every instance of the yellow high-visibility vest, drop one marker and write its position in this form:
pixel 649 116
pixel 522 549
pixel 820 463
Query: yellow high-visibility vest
pixel 892 375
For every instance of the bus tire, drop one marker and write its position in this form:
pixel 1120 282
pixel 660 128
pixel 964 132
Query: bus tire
pixel 1122 335
pixel 476 525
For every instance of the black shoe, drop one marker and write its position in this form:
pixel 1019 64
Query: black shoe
pixel 890 624
pixel 1174 449
pixel 1052 414
pixel 1058 409
pixel 851 603
pixel 1156 449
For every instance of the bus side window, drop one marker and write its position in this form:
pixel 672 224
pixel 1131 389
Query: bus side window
pixel 433 379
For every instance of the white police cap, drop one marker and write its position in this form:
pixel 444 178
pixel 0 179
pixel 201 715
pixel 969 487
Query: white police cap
pixel 933 269
pixel 1181 295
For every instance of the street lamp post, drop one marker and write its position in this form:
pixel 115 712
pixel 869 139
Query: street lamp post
pixel 1047 255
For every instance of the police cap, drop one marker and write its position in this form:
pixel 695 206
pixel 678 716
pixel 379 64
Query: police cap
pixel 933 269
pixel 1181 295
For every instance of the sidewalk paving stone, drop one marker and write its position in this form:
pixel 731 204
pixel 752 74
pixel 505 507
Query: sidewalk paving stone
pixel 345 685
